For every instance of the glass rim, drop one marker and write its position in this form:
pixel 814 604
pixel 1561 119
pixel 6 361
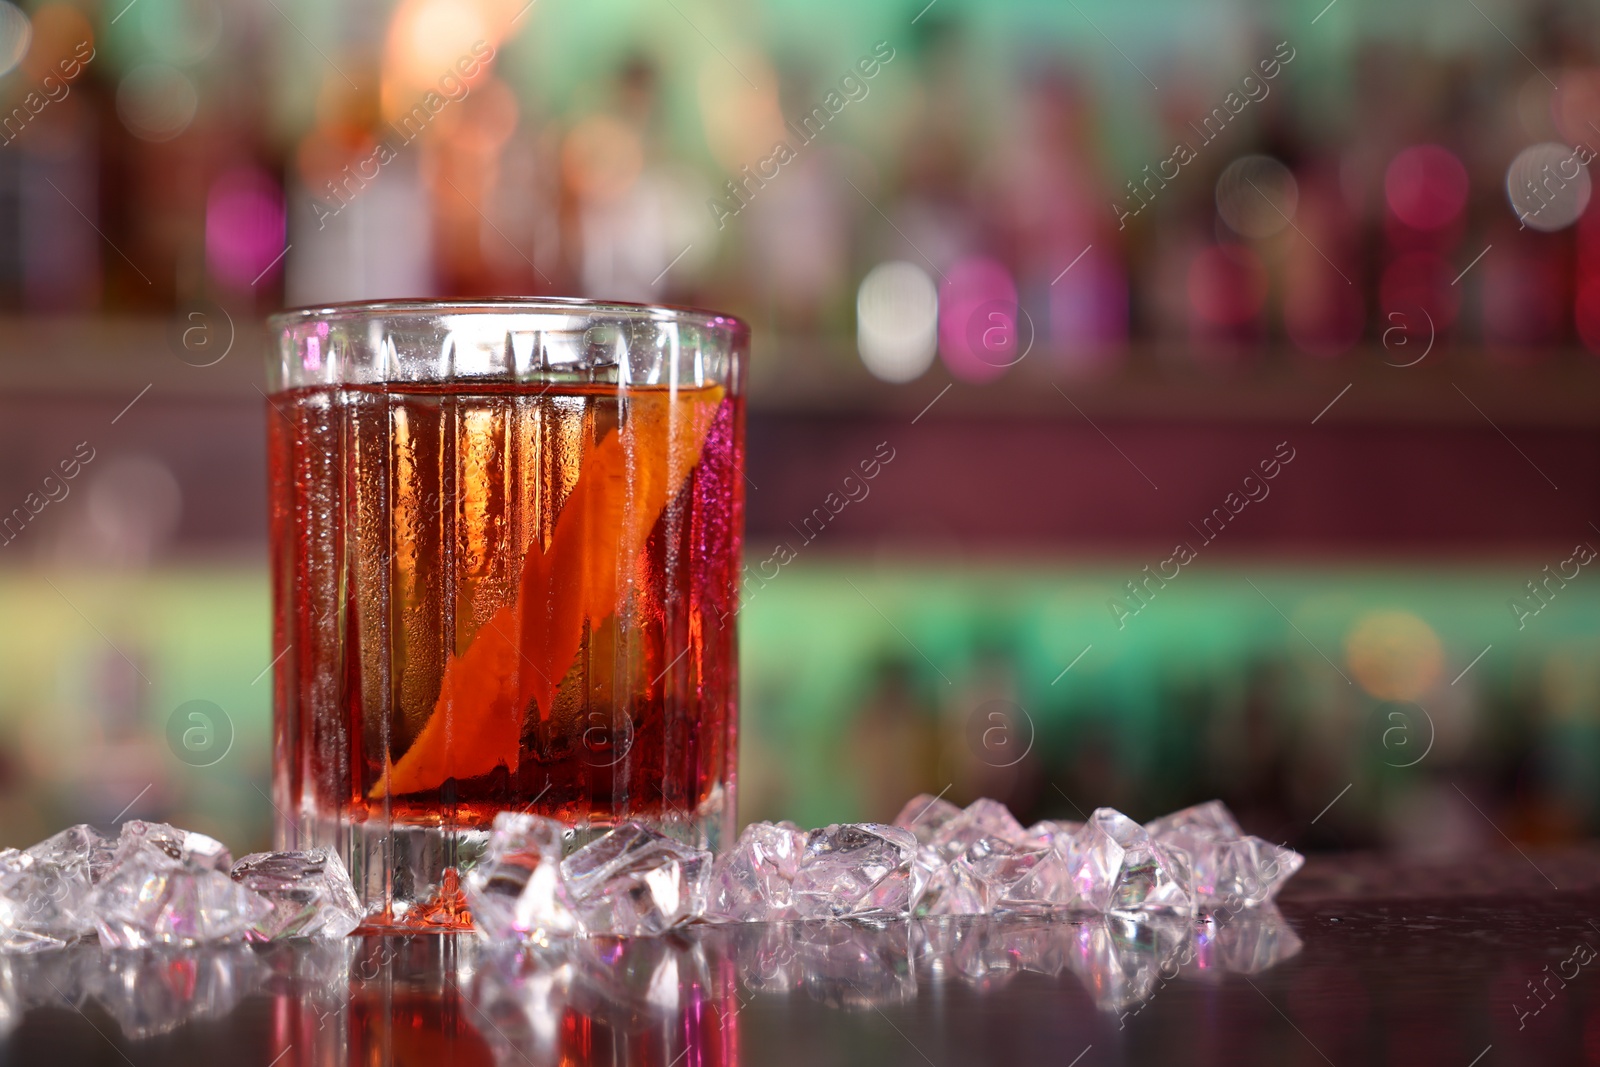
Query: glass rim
pixel 502 305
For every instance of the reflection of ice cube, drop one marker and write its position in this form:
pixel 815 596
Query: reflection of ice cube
pixel 982 955
pixel 1246 943
pixel 853 965
pixel 524 991
pixel 856 965
pixel 638 975
pixel 1039 945
pixel 317 971
pixel 1122 959
pixel 148 992
pixel 765 955
pixel 156 991
pixel 932 943
pixel 641 992
pixel 11 1006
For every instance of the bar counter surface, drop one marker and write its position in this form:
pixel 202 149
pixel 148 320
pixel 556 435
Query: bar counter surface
pixel 1473 963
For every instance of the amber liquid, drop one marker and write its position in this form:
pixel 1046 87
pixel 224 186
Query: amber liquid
pixel 403 518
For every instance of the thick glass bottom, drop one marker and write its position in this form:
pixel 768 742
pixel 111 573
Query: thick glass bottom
pixel 408 876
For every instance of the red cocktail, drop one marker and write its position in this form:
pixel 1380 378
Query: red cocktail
pixel 505 545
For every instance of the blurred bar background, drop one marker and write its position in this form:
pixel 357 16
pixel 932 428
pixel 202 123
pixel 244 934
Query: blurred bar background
pixel 1071 280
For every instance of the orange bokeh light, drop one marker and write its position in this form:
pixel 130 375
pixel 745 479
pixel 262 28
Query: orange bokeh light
pixel 1394 655
pixel 601 158
pixel 57 31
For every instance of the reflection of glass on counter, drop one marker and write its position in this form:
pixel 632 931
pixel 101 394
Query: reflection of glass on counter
pixel 438 998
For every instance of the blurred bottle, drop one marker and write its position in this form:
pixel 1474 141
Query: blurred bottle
pixel 1425 190
pixel 1324 314
pixel 1050 202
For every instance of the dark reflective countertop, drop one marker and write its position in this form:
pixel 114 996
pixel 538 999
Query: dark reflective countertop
pixel 1364 962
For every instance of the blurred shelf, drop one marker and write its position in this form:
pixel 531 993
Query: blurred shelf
pixel 1159 383
pixel 117 357
pixel 1458 454
pixel 92 355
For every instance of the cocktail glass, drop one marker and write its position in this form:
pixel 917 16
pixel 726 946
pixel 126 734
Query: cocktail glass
pixel 505 543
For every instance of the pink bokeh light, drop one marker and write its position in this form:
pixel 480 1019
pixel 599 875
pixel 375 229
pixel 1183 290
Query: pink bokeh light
pixel 978 320
pixel 1426 187
pixel 244 227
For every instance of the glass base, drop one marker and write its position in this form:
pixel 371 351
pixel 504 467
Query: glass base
pixel 408 877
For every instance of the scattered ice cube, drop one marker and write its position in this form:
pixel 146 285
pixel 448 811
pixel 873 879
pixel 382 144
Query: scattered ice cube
pixel 1210 820
pixel 982 818
pixel 44 891
pixel 157 884
pixel 1244 873
pixel 516 891
pixel 166 886
pixel 24 904
pixel 1121 868
pixel 1062 834
pixel 193 849
pixel 858 870
pixel 1016 878
pixel 80 850
pixel 1232 870
pixel 310 892
pixel 754 880
pixel 948 888
pixel 925 816
pixel 967 854
pixel 634 881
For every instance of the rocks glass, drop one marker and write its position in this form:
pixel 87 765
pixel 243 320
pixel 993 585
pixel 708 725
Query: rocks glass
pixel 505 542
